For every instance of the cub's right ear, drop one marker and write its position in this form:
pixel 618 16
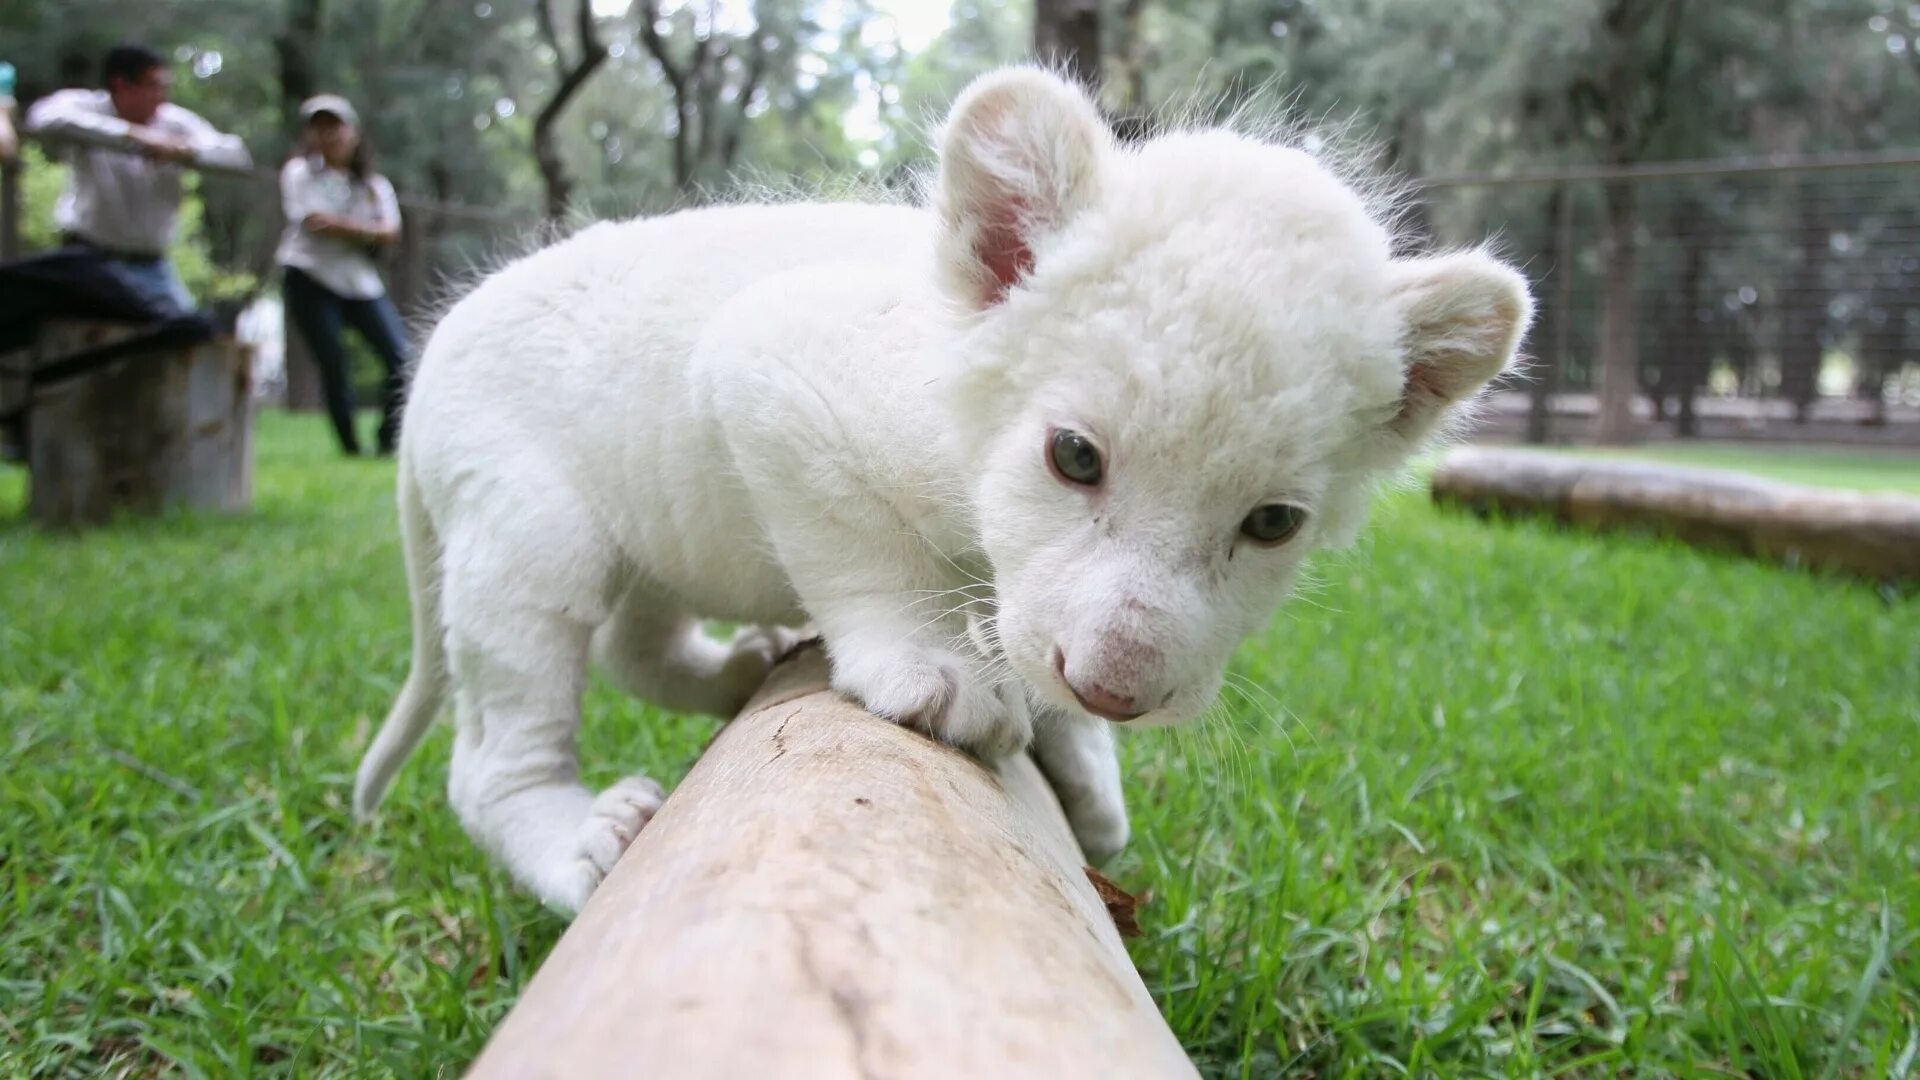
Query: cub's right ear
pixel 1021 154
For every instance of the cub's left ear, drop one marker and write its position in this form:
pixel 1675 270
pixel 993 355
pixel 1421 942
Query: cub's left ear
pixel 1462 316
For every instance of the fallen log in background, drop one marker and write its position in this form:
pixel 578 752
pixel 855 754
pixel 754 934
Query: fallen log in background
pixel 1870 534
pixel 830 895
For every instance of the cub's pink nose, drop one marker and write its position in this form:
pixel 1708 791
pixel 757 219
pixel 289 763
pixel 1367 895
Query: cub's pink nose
pixel 1095 698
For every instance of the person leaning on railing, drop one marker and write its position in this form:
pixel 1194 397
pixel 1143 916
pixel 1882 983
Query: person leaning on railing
pixel 339 212
pixel 126 146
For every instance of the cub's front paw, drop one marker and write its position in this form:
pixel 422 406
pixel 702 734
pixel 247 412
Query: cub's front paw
pixel 939 693
pixel 1099 822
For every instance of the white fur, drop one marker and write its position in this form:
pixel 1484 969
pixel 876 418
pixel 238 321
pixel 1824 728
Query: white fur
pixel 839 413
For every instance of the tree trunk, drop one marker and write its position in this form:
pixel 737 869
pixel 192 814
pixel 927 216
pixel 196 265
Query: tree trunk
pixel 1692 355
pixel 679 83
pixel 1551 329
pixel 1067 33
pixel 1619 359
pixel 1659 321
pixel 1633 103
pixel 1883 340
pixel 553 168
pixel 1686 422
pixel 1801 347
pixel 420 237
pixel 1129 56
pixel 295 48
pixel 9 211
pixel 553 173
pixel 304 393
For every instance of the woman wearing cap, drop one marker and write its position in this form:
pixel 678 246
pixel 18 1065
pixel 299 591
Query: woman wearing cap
pixel 339 213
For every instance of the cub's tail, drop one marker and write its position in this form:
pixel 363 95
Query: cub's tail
pixel 419 700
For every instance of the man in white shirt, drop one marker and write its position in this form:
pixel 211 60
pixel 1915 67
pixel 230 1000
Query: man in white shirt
pixel 126 146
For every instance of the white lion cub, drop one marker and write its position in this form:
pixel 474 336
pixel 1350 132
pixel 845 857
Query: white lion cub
pixel 1033 459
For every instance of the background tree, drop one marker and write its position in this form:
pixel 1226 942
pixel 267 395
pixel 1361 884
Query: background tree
pixel 570 76
pixel 1067 33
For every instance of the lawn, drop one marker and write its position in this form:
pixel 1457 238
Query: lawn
pixel 1490 800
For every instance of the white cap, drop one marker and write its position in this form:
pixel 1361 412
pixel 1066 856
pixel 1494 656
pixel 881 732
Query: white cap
pixel 333 104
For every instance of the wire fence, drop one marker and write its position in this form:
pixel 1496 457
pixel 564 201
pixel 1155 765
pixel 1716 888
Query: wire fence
pixel 1770 299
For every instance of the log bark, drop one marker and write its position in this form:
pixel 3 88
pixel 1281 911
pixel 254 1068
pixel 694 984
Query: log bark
pixel 154 431
pixel 1867 534
pixel 831 895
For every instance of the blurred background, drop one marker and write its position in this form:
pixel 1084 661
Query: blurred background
pixel 1715 201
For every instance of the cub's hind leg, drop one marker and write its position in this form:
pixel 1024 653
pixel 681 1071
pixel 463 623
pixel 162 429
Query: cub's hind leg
pixel 524 588
pixel 657 653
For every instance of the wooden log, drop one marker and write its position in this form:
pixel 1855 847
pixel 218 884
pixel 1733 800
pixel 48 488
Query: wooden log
pixel 1864 533
pixel 831 895
pixel 157 429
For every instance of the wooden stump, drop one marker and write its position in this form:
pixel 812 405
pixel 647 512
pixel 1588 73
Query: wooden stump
pixel 1868 534
pixel 157 429
pixel 830 895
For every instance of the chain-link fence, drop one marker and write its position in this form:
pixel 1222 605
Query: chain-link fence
pixel 1777 299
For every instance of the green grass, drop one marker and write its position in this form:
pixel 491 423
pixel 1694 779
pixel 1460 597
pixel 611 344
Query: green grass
pixel 1868 469
pixel 1500 801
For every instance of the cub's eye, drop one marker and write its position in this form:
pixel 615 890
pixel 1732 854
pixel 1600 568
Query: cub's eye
pixel 1274 523
pixel 1074 458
